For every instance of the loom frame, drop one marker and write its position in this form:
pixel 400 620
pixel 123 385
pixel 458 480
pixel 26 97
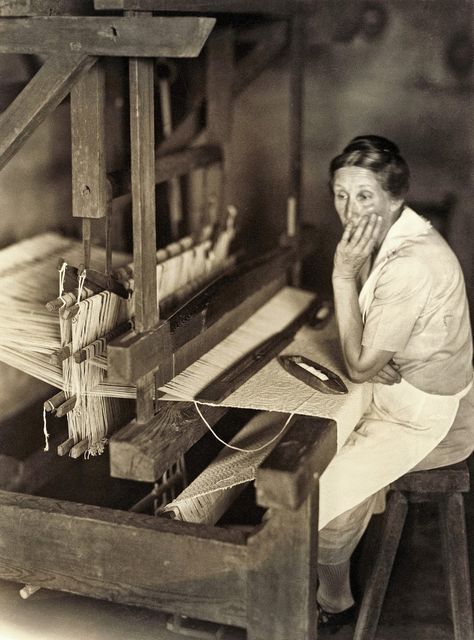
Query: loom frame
pixel 282 550
pixel 210 573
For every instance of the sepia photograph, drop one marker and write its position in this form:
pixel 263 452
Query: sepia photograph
pixel 237 400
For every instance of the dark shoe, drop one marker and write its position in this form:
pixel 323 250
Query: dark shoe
pixel 332 622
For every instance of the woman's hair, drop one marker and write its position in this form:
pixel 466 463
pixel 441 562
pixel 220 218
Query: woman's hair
pixel 379 155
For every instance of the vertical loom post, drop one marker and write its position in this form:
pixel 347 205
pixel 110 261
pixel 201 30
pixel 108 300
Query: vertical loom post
pixel 89 185
pixel 219 83
pixel 89 179
pixel 282 578
pixel 297 54
pixel 144 226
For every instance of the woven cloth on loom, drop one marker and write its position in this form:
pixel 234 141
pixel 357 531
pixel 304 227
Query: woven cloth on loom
pixel 272 390
pixel 207 498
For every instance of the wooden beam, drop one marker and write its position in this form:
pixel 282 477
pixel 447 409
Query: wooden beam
pixel 168 166
pixel 142 132
pixel 143 452
pixel 23 8
pixel 286 477
pixel 283 555
pixel 89 178
pixel 37 100
pixel 106 36
pixel 273 7
pixel 124 557
pixel 282 580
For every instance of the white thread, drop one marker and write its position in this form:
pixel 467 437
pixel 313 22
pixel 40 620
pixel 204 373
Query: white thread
pixel 82 279
pixel 45 431
pixel 231 446
pixel 62 277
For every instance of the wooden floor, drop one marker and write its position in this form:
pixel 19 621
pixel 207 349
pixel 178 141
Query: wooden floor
pixel 415 608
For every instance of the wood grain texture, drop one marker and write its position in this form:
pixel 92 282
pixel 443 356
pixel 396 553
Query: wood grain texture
pixel 38 99
pixel 89 177
pixel 124 557
pixel 282 574
pixel 283 7
pixel 106 36
pixel 20 8
pixel 286 477
pixel 143 452
pixel 142 135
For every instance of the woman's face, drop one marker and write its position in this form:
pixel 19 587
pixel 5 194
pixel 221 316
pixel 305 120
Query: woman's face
pixel 358 193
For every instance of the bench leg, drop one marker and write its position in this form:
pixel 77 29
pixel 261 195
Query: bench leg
pixel 456 563
pixel 374 593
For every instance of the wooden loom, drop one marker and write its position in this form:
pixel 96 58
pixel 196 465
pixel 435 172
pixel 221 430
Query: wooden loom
pixel 197 570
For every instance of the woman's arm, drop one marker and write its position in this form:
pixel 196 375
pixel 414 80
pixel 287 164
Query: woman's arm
pixel 362 363
pixel 356 245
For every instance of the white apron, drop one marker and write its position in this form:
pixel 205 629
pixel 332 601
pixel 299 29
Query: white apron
pixel 401 427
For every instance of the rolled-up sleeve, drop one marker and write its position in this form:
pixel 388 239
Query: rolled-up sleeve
pixel 400 295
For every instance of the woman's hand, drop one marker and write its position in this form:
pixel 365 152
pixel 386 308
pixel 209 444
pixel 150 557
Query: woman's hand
pixel 356 245
pixel 388 374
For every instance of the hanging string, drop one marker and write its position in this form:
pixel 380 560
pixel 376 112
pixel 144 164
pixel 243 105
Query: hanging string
pixel 62 277
pixel 80 286
pixel 45 431
pixel 231 446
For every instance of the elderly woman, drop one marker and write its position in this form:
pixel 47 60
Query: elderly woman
pixel 403 322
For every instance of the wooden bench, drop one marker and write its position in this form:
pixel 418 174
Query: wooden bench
pixel 444 486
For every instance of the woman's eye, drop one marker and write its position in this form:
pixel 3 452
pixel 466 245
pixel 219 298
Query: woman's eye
pixel 341 196
pixel 365 196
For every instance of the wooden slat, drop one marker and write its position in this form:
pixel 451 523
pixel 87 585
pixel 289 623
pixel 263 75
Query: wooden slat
pixel 124 557
pixel 142 132
pixel 284 7
pixel 37 100
pixel 168 166
pixel 89 179
pixel 106 36
pixel 20 8
pixel 286 477
pixel 143 452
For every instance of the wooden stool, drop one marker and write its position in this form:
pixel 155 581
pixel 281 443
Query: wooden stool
pixel 444 486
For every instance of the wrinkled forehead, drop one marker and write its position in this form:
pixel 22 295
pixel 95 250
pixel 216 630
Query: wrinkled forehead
pixel 355 177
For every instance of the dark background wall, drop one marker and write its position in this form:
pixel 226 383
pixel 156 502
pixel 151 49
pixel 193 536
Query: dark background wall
pixel 372 67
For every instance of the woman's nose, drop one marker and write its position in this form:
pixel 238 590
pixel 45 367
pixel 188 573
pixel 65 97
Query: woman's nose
pixel 352 211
